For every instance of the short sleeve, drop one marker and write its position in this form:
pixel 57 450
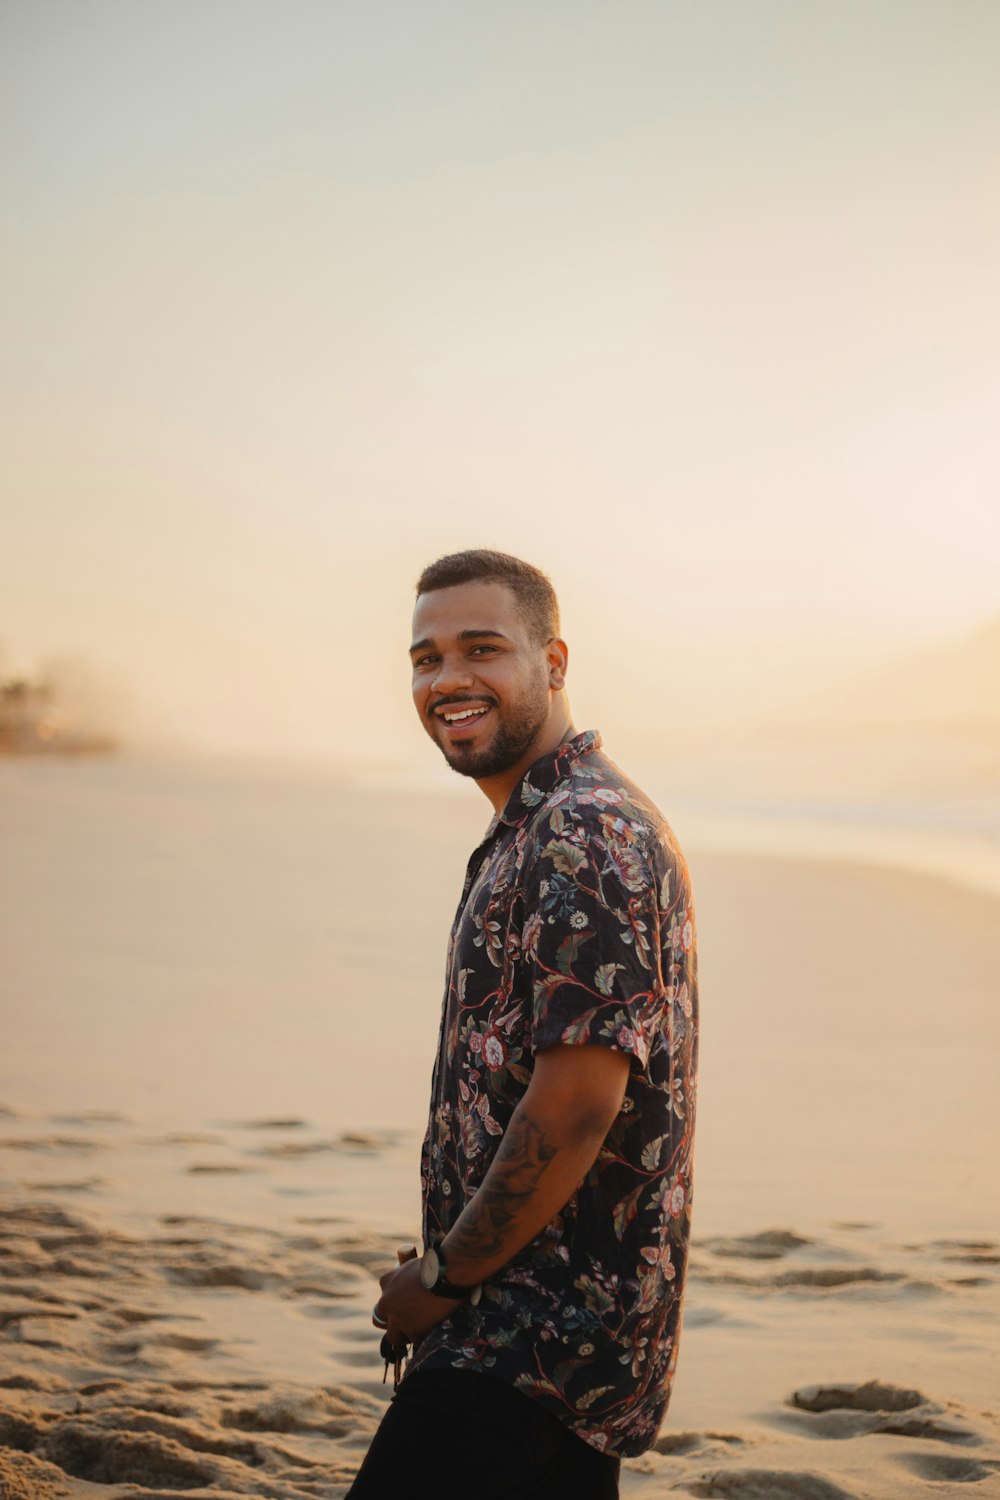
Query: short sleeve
pixel 591 941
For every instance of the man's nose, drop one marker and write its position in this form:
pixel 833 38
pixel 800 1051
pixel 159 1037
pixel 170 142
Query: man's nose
pixel 452 675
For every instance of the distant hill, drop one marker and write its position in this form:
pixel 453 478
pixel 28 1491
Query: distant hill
pixel 953 688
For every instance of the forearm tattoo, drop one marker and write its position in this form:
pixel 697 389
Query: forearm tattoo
pixel 483 1229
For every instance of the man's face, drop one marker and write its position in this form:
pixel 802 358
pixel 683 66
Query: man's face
pixel 480 684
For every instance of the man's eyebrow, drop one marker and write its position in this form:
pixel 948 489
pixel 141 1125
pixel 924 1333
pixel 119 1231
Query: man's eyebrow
pixel 464 635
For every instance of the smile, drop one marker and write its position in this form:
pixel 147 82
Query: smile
pixel 457 716
pixel 460 718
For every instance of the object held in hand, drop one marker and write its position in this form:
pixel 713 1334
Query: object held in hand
pixel 394 1354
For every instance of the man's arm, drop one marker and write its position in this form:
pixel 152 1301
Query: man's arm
pixel 551 1143
pixel 548 1148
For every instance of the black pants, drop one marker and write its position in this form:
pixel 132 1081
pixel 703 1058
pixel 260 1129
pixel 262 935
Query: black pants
pixel 458 1435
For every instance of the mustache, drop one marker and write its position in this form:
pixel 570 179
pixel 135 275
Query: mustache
pixel 457 702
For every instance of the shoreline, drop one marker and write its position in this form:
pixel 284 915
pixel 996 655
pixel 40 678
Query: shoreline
pixel 930 834
pixel 968 862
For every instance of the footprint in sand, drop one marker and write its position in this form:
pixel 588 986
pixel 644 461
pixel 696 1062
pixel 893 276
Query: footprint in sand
pixel 871 1396
pixel 845 1411
pixel 680 1444
pixel 770 1244
pixel 942 1468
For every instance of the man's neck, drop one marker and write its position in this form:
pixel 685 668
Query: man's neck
pixel 498 788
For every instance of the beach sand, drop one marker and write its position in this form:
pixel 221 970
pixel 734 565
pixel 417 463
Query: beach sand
pixel 185 1295
pixel 226 1351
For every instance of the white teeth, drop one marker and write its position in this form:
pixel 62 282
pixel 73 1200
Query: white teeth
pixel 467 713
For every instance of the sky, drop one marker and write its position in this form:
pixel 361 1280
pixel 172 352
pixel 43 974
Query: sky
pixel 694 306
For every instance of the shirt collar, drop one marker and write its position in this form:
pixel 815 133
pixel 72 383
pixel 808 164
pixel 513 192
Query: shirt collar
pixel 543 777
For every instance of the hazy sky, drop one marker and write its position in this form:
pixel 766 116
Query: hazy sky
pixel 695 305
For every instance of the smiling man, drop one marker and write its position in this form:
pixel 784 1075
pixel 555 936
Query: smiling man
pixel 545 1309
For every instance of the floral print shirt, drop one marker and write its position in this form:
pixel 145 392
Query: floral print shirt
pixel 575 927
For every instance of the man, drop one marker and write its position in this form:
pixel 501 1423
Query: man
pixel 546 1307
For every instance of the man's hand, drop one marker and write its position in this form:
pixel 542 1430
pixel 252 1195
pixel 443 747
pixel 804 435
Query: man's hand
pixel 409 1310
pixel 550 1144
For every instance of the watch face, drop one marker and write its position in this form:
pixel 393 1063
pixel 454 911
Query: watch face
pixel 430 1268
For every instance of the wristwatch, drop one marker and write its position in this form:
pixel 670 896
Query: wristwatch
pixel 434 1278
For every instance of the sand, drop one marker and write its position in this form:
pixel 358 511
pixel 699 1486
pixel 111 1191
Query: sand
pixel 185 1288
pixel 228 1354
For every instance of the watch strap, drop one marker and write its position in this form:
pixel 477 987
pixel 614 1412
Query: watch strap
pixel 440 1286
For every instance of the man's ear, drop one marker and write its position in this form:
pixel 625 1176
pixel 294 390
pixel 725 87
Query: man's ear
pixel 557 658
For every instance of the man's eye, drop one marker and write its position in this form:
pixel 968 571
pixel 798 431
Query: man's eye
pixel 477 649
pixel 424 661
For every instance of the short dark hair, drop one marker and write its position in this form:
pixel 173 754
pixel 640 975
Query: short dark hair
pixel 529 585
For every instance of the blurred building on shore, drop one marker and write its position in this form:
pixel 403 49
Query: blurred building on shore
pixel 33 722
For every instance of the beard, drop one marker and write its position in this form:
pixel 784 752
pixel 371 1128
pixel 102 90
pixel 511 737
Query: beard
pixel 514 736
